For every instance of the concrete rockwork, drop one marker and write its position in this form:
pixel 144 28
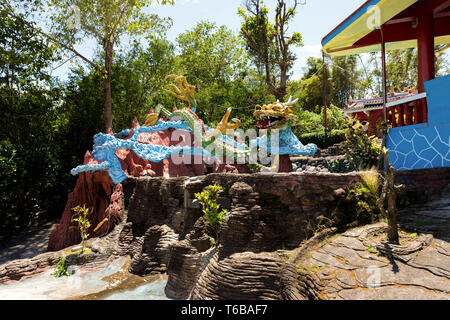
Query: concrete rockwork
pixel 265 249
pixel 267 213
pixel 270 217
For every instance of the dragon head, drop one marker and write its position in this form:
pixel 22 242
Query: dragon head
pixel 276 115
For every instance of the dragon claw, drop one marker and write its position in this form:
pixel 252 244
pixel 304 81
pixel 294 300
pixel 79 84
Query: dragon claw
pixel 223 125
pixel 183 90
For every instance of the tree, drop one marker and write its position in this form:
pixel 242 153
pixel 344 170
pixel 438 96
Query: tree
pixel 401 69
pixel 211 210
pixel 210 53
pixel 345 77
pixel 106 21
pixel 34 177
pixel 215 61
pixel 24 58
pixel 82 222
pixel 138 75
pixel 309 89
pixel 269 44
pixel 389 197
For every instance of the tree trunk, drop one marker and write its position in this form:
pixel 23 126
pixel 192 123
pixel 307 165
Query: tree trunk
pixel 389 192
pixel 392 221
pixel 107 85
pixel 392 209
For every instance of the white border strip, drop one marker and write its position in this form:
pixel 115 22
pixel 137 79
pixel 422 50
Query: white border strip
pixel 407 99
pixel 389 104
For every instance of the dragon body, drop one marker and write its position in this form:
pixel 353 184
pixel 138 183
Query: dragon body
pixel 209 142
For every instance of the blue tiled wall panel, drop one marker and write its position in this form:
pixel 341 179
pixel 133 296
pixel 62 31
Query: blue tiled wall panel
pixel 438 98
pixel 419 146
pixel 425 145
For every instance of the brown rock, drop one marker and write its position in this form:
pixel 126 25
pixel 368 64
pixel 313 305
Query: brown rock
pixel 97 191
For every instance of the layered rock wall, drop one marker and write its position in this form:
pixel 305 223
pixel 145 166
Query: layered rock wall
pixel 269 216
pixel 268 213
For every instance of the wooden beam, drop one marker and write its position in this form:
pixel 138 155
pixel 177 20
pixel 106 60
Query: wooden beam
pixel 442 6
pixel 400 20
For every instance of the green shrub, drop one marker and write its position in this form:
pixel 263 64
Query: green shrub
pixel 322 141
pixel 208 200
pixel 364 198
pixel 32 185
pixel 362 149
pixel 311 122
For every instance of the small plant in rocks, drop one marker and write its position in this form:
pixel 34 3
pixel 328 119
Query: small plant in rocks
pixel 61 268
pixel 82 222
pixel 211 209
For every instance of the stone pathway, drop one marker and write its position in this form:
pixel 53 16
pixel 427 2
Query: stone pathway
pixel 357 265
pixel 26 244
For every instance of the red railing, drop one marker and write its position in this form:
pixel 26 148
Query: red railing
pixel 407 111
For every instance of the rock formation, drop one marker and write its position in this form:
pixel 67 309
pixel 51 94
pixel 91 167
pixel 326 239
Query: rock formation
pixel 104 199
pixel 268 213
pixel 270 246
pixel 97 191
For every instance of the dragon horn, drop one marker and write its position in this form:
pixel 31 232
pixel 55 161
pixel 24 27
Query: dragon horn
pixel 174 94
pixel 226 116
pixel 290 102
pixel 170 76
pixel 177 90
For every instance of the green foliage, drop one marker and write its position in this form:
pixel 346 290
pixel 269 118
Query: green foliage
pixel 345 77
pixel 33 164
pixel 269 44
pixel 137 79
pixel 210 54
pixel 214 60
pixel 314 122
pixel 61 268
pixel 363 150
pixel 107 22
pixel 103 19
pixel 372 249
pixel 309 89
pixel 321 140
pixel 23 56
pixel 364 198
pixel 211 209
pixel 310 127
pixel 83 223
pixel 33 185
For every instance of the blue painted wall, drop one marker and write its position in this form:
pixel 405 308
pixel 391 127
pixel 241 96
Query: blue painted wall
pixel 425 145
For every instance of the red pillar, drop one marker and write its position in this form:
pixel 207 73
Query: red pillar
pixel 383 73
pixel 324 76
pixel 425 47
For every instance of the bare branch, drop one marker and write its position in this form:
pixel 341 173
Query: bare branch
pixel 10 12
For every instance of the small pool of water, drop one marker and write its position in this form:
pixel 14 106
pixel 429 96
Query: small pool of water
pixel 112 283
pixel 149 291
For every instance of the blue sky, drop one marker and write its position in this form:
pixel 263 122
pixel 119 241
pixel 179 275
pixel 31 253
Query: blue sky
pixel 313 20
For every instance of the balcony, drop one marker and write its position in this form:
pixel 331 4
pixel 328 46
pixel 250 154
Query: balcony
pixel 408 111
